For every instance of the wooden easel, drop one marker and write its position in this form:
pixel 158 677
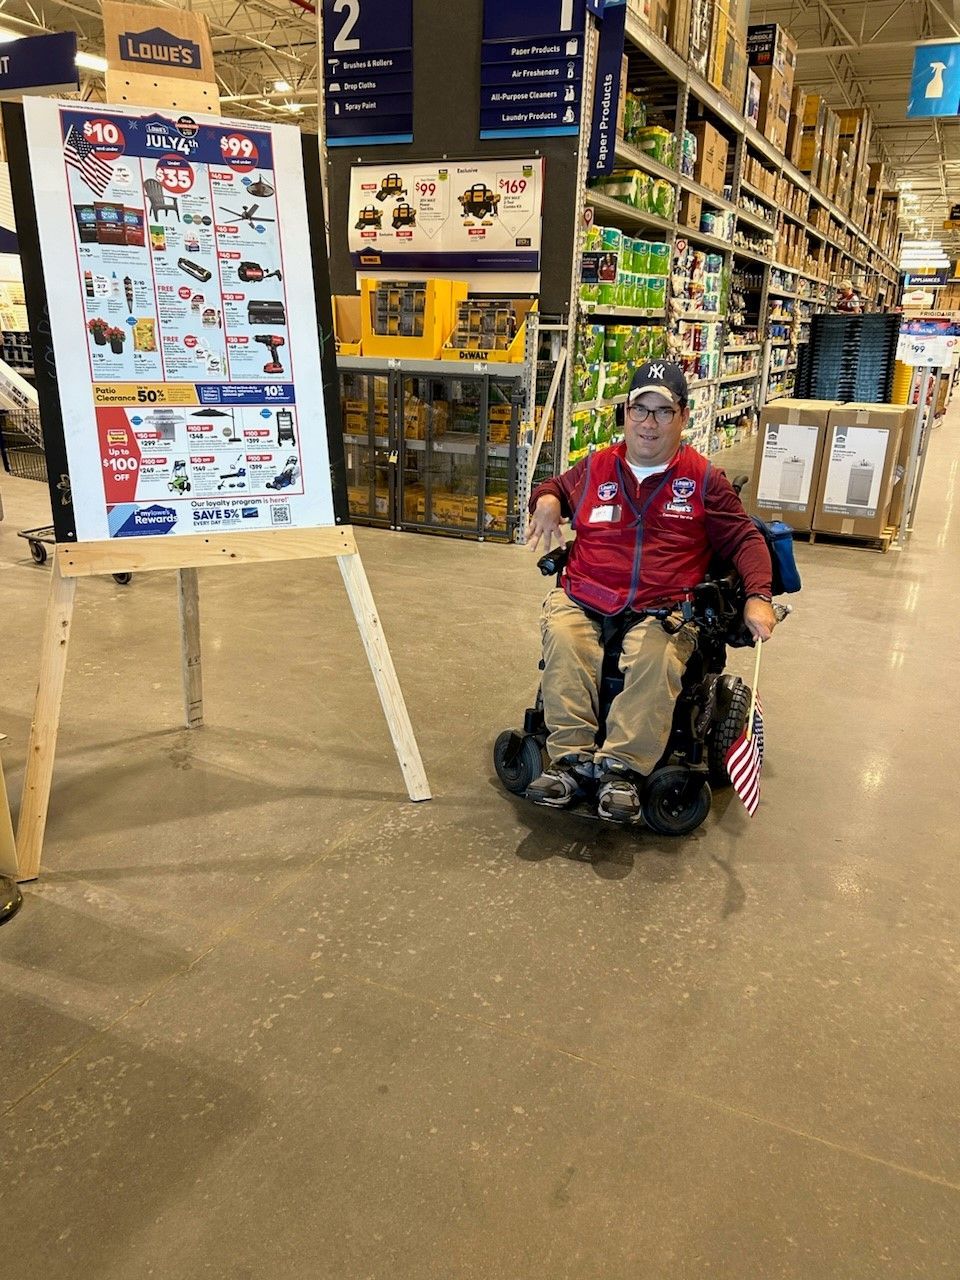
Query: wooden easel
pixel 187 555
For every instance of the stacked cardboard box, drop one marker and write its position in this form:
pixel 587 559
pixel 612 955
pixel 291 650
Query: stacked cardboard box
pixel 772 53
pixel 765 180
pixel 713 151
pixel 727 64
pixel 830 467
pixel 653 13
pixel 818 149
pixel 798 109
pixel 678 26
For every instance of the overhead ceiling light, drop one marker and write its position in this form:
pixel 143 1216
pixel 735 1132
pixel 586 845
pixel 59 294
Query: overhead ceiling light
pixel 6 35
pixel 293 106
pixel 282 86
pixel 91 62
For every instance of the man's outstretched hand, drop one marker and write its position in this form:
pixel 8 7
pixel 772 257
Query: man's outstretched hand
pixel 760 619
pixel 545 523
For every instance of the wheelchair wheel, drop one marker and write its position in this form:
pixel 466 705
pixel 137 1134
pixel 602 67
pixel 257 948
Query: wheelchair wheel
pixel 518 760
pixel 733 707
pixel 676 801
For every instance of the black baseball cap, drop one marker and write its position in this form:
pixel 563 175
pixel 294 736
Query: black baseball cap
pixel 665 378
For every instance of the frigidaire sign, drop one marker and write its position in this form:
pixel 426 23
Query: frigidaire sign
pixel 157 47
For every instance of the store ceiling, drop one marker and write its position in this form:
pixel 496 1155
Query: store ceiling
pixel 858 52
pixel 259 45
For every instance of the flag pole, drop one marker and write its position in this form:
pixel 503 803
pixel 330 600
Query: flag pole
pixel 758 645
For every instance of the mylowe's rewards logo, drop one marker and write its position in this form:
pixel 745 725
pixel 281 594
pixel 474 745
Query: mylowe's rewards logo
pixel 157 47
pixel 147 522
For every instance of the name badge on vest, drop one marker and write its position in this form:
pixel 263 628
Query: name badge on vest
pixel 606 515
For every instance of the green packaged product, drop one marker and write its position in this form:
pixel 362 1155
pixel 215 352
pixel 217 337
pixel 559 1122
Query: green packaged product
pixel 662 198
pixel 608 294
pixel 634 116
pixel 658 259
pixel 592 239
pixel 615 342
pixel 659 144
pixel 611 240
pixel 591 342
pixel 581 435
pixel 589 293
pixel 656 293
pixel 605 426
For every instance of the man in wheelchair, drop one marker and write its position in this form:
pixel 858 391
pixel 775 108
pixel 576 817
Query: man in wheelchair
pixel 650 515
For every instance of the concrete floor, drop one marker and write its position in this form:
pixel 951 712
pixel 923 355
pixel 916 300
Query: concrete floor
pixel 262 1018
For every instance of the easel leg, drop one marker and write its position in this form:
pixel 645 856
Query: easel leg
pixel 384 673
pixel 46 722
pixel 188 583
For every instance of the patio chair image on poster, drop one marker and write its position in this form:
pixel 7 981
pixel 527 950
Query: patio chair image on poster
pixel 158 199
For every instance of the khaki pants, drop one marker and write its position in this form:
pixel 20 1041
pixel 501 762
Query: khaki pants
pixel 641 717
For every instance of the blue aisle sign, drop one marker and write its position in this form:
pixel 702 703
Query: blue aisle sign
pixel 935 87
pixel 531 68
pixel 39 64
pixel 368 71
pixel 606 98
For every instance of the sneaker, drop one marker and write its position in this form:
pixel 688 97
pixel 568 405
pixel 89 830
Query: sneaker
pixel 561 783
pixel 619 798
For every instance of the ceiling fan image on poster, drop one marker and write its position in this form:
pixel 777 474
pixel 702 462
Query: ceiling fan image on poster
pixel 247 214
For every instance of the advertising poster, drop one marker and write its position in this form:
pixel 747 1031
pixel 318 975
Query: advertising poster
pixel 184 324
pixel 482 216
pixel 931 341
pixel 788 468
pixel 855 471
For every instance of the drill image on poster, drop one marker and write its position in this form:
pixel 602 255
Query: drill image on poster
pixel 273 342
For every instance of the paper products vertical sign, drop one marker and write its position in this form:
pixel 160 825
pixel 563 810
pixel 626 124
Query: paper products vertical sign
pixel 190 347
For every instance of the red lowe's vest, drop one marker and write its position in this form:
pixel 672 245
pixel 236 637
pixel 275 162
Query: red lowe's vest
pixel 638 545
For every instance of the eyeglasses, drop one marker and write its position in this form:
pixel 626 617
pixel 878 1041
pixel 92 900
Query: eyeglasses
pixel 663 415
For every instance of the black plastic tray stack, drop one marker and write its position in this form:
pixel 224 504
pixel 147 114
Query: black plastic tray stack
pixel 851 358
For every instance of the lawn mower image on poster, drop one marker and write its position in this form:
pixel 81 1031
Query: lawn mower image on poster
pixel 180 482
pixel 370 219
pixel 479 201
pixel 392 185
pixel 285 478
pixel 404 215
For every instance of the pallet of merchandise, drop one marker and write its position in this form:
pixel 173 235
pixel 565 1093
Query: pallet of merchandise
pixel 881 543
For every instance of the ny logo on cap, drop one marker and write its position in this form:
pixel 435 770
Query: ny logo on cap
pixel 657 371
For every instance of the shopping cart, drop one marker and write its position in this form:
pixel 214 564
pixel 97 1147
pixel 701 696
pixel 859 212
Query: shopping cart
pixel 21 451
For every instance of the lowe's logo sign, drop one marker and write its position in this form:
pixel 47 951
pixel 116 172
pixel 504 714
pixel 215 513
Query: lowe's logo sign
pixel 159 48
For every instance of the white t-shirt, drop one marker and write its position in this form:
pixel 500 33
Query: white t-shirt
pixel 644 473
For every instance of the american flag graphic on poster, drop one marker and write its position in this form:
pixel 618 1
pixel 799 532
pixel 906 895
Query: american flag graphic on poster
pixel 80 155
pixel 745 761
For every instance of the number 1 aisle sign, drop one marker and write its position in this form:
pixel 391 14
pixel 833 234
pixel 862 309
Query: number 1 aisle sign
pixel 184 324
pixel 368 71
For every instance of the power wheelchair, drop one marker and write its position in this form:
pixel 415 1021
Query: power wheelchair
pixel 709 716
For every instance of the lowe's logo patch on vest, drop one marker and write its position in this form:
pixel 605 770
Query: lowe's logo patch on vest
pixel 608 491
pixel 684 488
pixel 159 48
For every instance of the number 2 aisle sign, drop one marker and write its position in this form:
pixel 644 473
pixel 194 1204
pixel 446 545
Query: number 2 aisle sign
pixel 188 346
pixel 368 71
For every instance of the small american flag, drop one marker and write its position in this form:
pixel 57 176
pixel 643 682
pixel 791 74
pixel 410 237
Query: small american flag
pixel 745 761
pixel 80 155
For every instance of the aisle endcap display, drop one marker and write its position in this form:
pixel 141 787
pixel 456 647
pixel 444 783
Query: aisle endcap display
pixel 346 325
pixel 408 318
pixel 489 330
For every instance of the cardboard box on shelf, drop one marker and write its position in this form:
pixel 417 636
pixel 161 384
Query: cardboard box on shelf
pixel 751 104
pixel 771 45
pixel 789 454
pixel 710 169
pixel 858 472
pixel 795 125
pixel 727 66
pixel 346 325
pixel 895 514
pixel 701 29
pixel 678 27
pixel 691 210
